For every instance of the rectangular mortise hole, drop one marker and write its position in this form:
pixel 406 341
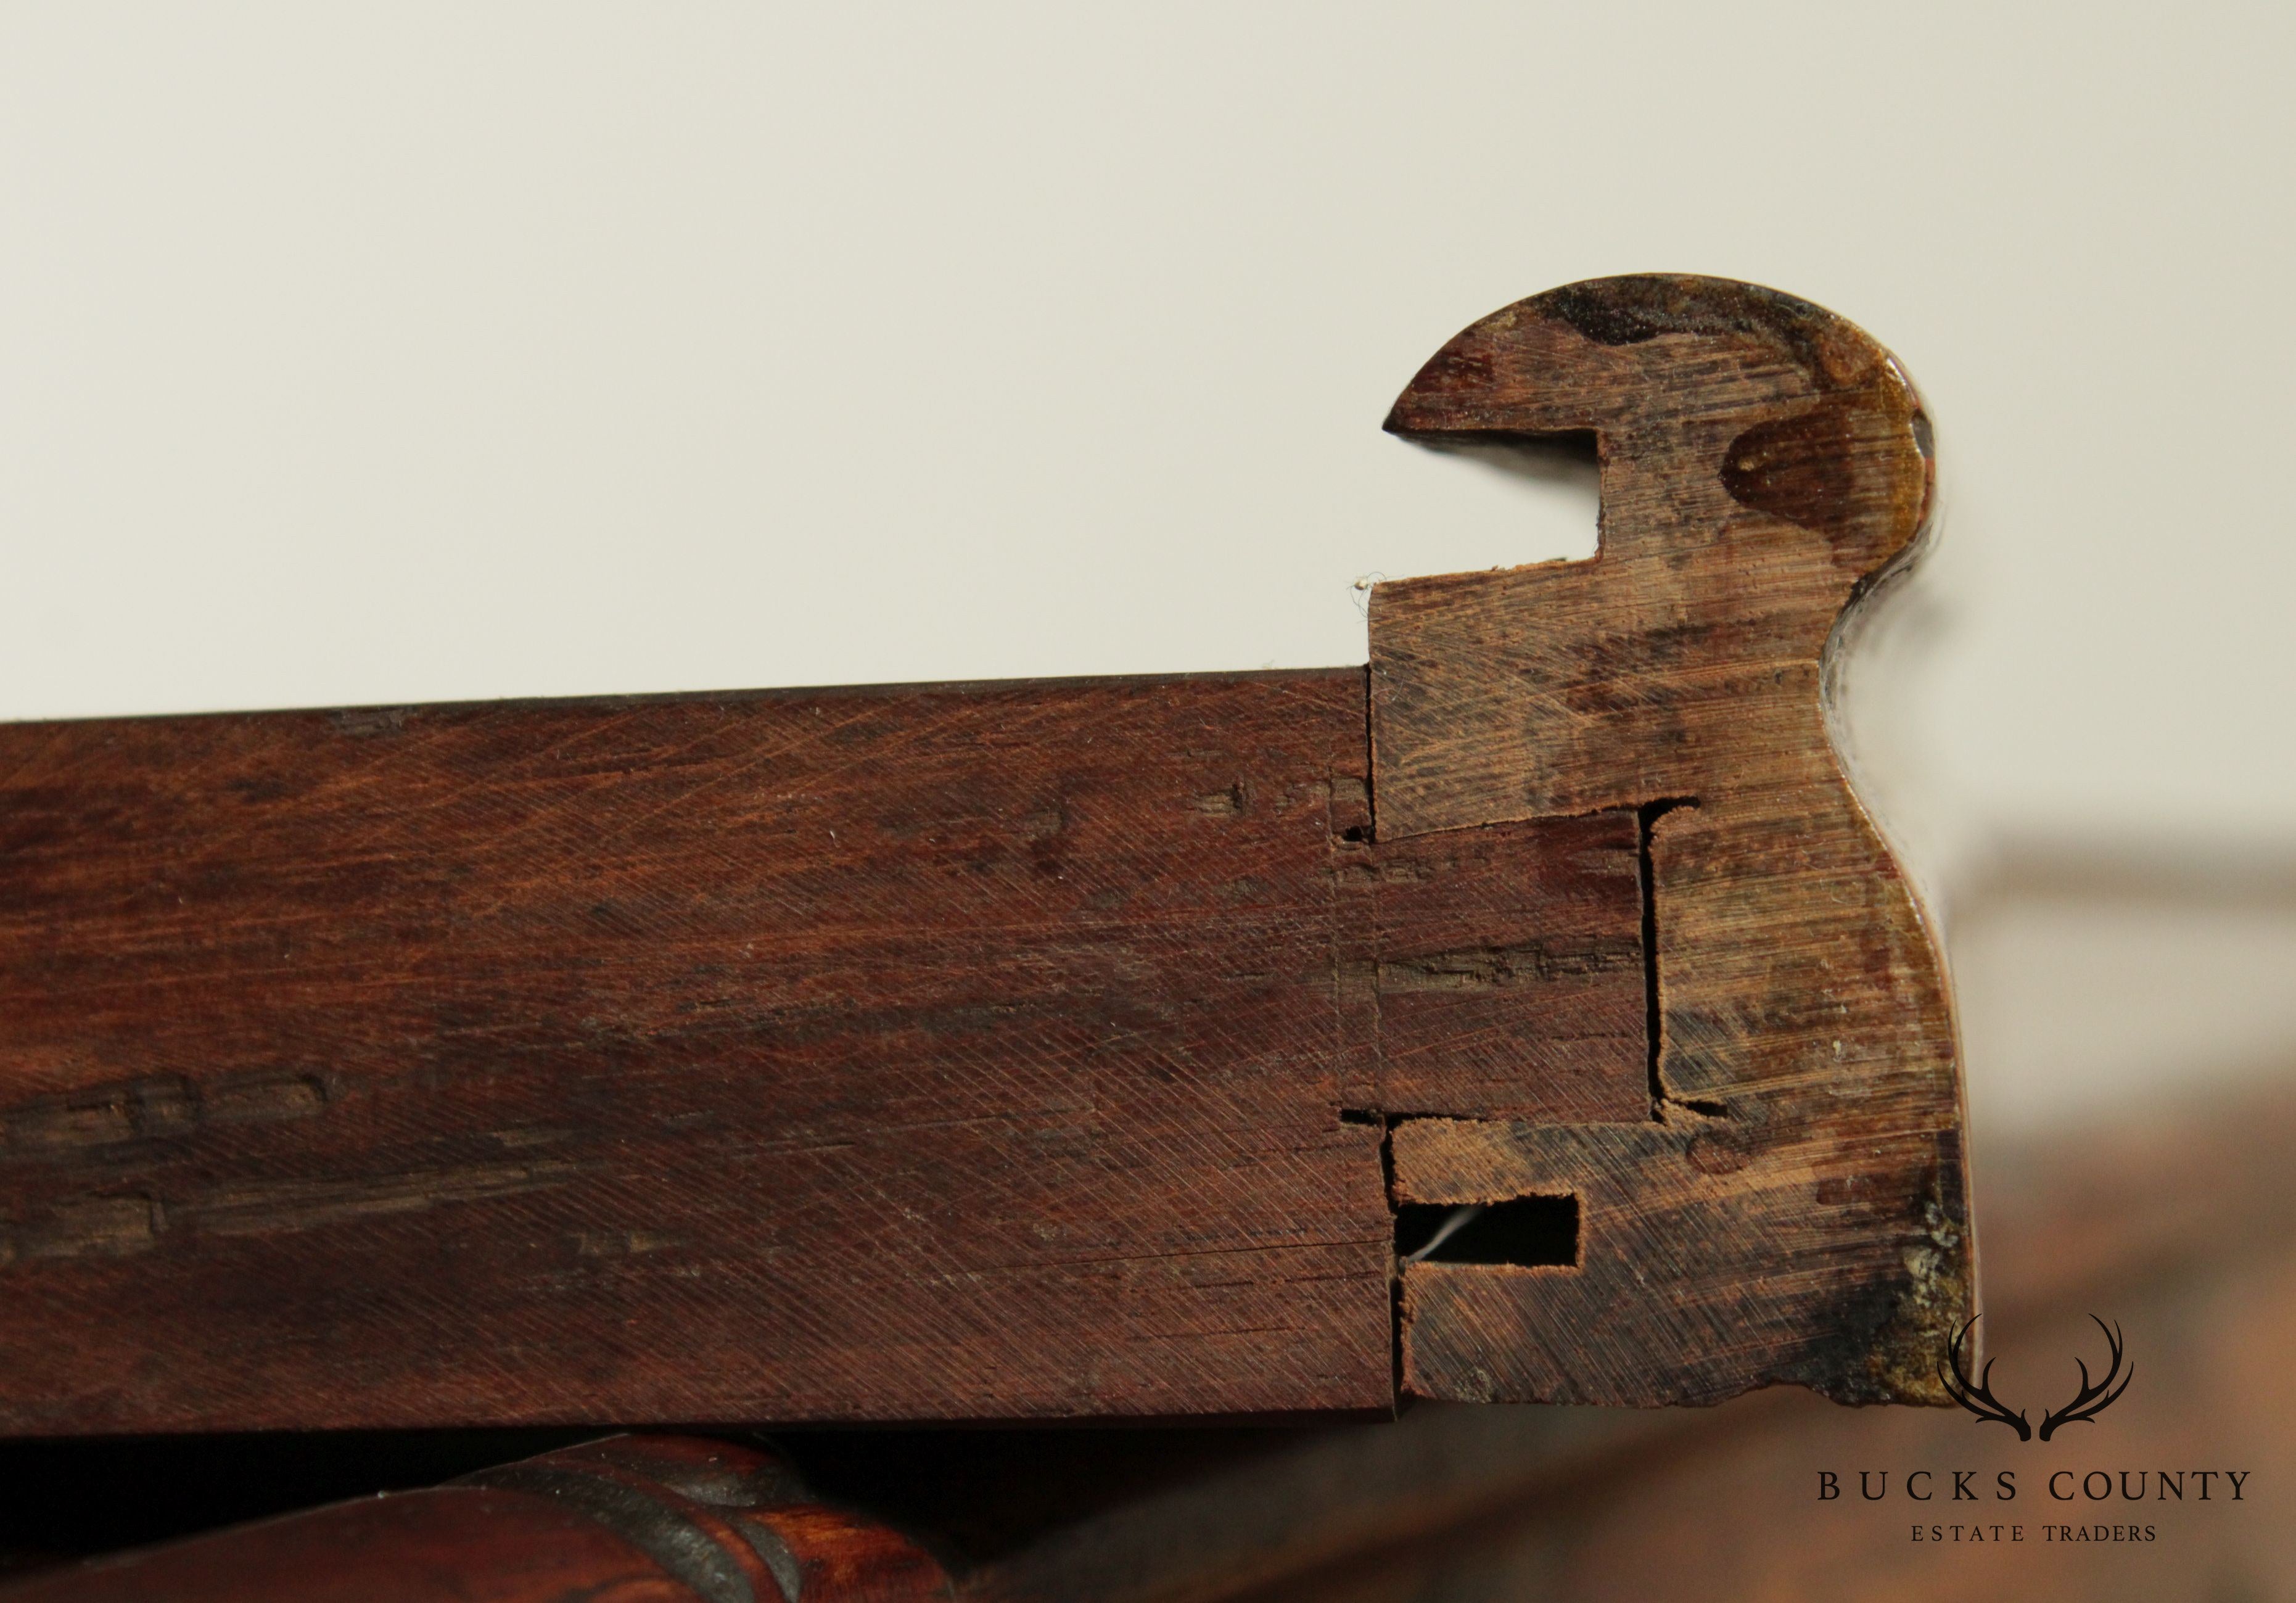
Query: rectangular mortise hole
pixel 1530 1232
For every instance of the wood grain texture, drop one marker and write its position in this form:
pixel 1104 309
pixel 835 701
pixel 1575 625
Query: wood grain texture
pixel 1480 1505
pixel 1506 994
pixel 632 1520
pixel 1502 1504
pixel 1796 1208
pixel 957 1052
pixel 1035 1050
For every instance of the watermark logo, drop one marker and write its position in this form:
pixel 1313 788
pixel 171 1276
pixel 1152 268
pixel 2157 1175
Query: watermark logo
pixel 2107 1492
pixel 1977 1395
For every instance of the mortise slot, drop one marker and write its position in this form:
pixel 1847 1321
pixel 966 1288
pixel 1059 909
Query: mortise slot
pixel 1532 1232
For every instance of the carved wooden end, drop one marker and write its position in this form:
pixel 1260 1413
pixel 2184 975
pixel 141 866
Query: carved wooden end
pixel 1793 1207
pixel 1036 1049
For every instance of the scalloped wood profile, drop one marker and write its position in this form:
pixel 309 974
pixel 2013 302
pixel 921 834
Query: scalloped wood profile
pixel 1037 1051
pixel 1794 1207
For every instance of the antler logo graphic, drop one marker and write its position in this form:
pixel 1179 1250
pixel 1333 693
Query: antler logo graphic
pixel 1977 1395
pixel 2093 1400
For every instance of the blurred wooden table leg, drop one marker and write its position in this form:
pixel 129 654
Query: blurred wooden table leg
pixel 630 1519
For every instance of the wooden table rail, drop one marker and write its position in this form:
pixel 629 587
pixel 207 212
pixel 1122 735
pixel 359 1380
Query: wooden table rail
pixel 1532 1015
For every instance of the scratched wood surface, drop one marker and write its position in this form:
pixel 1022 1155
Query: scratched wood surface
pixel 970 1052
pixel 1537 1016
pixel 1797 1208
pixel 1503 1504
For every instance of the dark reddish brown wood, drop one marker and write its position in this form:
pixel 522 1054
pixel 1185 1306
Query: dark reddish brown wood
pixel 1499 1505
pixel 935 1053
pixel 633 1519
pixel 1035 1050
pixel 2169 1220
pixel 1506 994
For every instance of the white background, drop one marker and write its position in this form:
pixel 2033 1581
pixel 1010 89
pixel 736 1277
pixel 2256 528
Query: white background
pixel 419 351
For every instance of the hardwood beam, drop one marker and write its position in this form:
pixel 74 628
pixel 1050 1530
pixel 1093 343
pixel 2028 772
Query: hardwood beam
pixel 1181 1047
